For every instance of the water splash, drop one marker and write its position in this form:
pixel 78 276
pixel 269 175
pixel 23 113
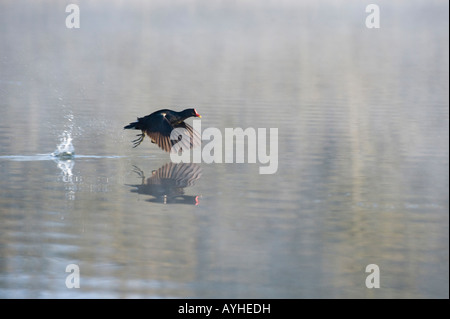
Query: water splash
pixel 65 149
pixel 64 155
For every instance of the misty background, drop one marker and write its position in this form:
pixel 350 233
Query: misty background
pixel 362 176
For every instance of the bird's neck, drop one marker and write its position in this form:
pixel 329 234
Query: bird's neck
pixel 184 114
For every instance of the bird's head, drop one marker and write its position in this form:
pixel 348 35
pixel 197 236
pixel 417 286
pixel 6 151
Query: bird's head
pixel 195 113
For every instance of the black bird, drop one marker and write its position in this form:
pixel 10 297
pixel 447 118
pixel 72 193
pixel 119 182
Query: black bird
pixel 159 125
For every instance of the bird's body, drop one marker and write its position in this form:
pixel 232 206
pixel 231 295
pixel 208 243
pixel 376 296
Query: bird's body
pixel 160 124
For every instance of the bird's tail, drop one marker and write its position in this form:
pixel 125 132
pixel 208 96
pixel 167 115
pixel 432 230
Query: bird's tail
pixel 133 125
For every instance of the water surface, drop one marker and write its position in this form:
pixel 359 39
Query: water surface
pixel 363 171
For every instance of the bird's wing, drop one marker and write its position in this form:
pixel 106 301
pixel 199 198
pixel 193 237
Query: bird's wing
pixel 192 137
pixel 158 128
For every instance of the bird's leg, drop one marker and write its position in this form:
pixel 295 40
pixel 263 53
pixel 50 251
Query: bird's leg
pixel 139 139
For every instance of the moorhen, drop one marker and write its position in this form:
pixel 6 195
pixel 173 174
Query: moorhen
pixel 159 125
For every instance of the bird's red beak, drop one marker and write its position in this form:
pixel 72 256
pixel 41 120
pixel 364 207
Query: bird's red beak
pixel 196 114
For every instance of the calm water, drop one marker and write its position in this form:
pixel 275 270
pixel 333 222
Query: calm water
pixel 363 176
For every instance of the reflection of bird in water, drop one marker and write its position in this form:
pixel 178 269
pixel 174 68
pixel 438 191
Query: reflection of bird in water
pixel 167 183
pixel 159 125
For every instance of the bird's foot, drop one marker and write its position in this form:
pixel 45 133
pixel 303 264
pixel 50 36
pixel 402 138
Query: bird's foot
pixel 139 140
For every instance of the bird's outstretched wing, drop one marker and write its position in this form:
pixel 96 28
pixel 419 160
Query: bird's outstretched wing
pixel 191 138
pixel 160 130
